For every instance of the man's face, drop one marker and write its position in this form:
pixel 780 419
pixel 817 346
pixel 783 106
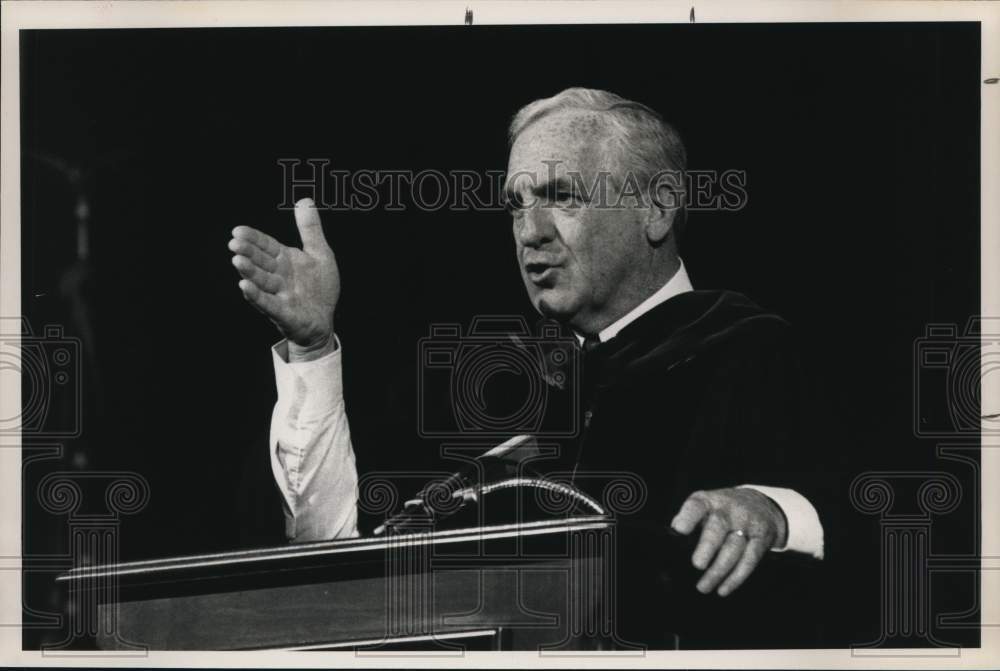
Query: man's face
pixel 579 259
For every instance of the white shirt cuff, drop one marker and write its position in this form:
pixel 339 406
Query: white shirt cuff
pixel 321 378
pixel 805 531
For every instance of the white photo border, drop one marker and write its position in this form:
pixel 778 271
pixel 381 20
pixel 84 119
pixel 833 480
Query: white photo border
pixel 255 13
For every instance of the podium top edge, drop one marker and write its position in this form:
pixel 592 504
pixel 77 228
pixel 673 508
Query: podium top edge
pixel 336 548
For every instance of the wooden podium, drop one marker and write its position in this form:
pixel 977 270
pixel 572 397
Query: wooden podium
pixel 530 586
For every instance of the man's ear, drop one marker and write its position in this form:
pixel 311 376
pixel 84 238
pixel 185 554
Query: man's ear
pixel 661 213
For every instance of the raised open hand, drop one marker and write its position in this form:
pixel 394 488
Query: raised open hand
pixel 297 289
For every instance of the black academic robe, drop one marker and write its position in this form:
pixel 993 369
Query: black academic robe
pixel 702 392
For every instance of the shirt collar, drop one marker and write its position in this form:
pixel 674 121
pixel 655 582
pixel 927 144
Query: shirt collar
pixel 678 284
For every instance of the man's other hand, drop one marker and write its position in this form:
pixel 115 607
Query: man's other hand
pixel 738 527
pixel 297 289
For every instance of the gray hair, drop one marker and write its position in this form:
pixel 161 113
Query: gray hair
pixel 643 138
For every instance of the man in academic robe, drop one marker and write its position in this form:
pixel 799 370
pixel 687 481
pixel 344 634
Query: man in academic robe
pixel 696 392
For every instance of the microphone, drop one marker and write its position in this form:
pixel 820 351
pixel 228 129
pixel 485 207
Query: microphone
pixel 498 461
pixel 510 445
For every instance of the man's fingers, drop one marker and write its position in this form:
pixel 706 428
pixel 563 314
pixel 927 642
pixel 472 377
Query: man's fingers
pixel 258 256
pixel 264 280
pixel 713 533
pixel 694 508
pixel 263 241
pixel 733 557
pixel 310 227
pixel 729 554
pixel 263 301
pixel 755 551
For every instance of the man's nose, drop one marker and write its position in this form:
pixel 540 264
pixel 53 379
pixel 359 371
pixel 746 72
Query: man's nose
pixel 535 226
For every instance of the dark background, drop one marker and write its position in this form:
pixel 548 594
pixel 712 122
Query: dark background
pixel 860 143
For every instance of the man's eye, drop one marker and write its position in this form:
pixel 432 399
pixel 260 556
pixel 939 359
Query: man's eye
pixel 565 198
pixel 513 203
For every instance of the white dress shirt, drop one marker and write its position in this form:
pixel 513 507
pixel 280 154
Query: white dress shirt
pixel 313 461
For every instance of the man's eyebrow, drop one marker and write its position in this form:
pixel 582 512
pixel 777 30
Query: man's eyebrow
pixel 542 190
pixel 553 185
pixel 546 187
